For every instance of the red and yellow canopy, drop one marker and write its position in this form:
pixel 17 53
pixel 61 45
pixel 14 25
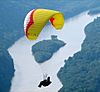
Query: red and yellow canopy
pixel 37 19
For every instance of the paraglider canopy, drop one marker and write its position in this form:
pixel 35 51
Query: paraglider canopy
pixel 36 20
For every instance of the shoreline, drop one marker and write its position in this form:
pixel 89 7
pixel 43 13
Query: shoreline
pixel 57 57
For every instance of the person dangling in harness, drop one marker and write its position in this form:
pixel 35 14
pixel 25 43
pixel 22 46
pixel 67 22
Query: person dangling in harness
pixel 46 81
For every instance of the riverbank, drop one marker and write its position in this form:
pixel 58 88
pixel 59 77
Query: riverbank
pixel 81 73
pixel 28 73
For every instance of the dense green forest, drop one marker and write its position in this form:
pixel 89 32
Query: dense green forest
pixel 94 11
pixel 81 73
pixel 44 50
pixel 12 14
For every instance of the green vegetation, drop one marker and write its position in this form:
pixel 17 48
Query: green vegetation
pixel 44 50
pixel 12 14
pixel 81 73
pixel 94 11
pixel 6 71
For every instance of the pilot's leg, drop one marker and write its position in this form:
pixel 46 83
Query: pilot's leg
pixel 40 84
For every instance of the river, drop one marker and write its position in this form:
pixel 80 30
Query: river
pixel 28 73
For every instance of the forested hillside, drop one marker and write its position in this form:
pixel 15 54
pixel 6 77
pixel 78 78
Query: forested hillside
pixel 81 73
pixel 12 14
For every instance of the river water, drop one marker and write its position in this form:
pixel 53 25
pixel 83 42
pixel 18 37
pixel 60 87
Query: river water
pixel 28 73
